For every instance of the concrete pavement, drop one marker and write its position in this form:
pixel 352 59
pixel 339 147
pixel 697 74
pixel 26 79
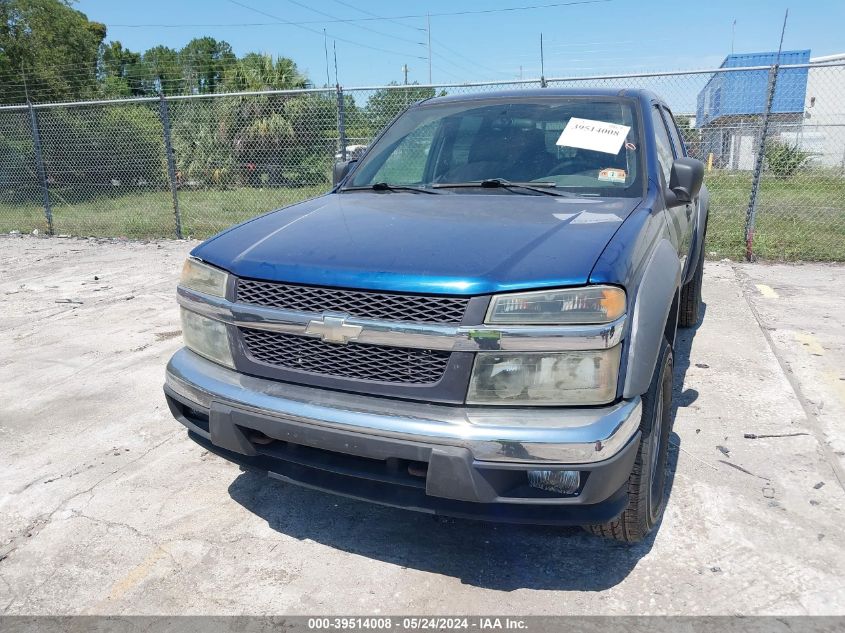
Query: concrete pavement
pixel 107 508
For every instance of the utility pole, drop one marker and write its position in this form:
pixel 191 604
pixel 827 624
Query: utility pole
pixel 733 36
pixel 326 49
pixel 405 72
pixel 428 23
pixel 336 81
pixel 542 64
pixel 520 72
pixel 341 109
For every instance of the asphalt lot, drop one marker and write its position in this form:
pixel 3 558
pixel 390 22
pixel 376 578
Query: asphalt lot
pixel 107 508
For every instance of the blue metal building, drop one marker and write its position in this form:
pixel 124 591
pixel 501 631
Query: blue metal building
pixel 731 104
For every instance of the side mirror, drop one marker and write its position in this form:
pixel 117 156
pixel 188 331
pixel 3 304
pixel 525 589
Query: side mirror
pixel 684 181
pixel 340 169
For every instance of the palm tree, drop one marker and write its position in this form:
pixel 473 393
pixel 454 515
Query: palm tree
pixel 256 71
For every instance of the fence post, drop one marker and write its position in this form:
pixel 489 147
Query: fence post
pixel 171 163
pixel 751 213
pixel 39 164
pixel 341 123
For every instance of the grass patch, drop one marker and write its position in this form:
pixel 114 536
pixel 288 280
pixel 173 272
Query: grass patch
pixel 802 217
pixel 149 214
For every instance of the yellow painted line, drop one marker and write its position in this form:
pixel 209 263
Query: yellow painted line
pixel 810 342
pixel 136 575
pixel 767 291
pixel 837 385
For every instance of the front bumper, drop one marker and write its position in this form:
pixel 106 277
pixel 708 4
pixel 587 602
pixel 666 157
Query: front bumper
pixel 460 461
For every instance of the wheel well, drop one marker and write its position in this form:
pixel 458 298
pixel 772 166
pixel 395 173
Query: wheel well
pixel 671 327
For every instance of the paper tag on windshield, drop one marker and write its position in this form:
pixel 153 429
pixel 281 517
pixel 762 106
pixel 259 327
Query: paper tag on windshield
pixel 598 136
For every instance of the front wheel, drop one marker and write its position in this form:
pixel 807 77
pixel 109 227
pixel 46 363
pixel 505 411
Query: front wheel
pixel 691 293
pixel 647 482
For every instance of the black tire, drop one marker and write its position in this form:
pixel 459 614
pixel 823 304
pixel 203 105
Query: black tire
pixel 691 293
pixel 647 482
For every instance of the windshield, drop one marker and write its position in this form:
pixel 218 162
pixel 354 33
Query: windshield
pixel 584 145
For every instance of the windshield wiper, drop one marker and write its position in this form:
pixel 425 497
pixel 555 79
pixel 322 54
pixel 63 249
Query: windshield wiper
pixel 501 183
pixel 384 186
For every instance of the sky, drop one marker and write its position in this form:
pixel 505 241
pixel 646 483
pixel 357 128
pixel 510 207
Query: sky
pixel 591 38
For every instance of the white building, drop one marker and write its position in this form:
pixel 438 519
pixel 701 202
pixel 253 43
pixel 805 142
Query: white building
pixel 823 130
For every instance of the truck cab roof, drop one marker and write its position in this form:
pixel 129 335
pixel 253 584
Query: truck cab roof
pixel 640 94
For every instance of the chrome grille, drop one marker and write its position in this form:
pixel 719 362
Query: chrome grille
pixel 369 305
pixel 358 361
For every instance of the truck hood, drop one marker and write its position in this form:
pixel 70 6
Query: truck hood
pixel 455 243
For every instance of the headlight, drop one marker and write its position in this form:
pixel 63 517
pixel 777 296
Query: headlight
pixel 206 337
pixel 203 278
pixel 554 378
pixel 590 304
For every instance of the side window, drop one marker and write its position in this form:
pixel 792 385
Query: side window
pixel 405 166
pixel 664 145
pixel 674 134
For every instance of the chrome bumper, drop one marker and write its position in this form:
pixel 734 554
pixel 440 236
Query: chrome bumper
pixel 494 434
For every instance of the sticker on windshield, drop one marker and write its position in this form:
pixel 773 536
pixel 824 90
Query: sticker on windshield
pixel 612 174
pixel 598 136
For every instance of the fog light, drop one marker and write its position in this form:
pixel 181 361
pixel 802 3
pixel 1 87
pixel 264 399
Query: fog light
pixel 564 482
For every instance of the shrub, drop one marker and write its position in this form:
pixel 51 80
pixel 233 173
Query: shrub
pixel 784 159
pixel 92 149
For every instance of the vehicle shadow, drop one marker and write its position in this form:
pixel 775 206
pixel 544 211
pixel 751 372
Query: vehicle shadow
pixel 492 556
pixel 684 397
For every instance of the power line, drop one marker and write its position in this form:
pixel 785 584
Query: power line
pixel 553 5
pixel 171 73
pixel 604 43
pixel 394 21
pixel 310 30
pixel 471 61
pixel 427 30
pixel 360 26
pixel 440 69
pixel 469 72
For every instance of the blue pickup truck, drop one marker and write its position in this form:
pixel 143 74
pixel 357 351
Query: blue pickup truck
pixel 477 320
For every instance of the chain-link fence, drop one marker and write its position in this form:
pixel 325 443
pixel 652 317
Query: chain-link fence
pixel 772 138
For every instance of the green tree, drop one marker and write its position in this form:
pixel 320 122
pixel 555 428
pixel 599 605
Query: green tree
pixel 52 45
pixel 204 62
pixel 121 73
pixel 93 151
pixel 257 140
pixel 690 135
pixel 161 71
pixel 386 103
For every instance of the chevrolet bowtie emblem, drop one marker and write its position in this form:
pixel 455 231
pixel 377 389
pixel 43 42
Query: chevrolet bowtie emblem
pixel 333 329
